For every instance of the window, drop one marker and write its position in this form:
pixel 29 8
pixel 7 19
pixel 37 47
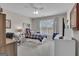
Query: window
pixel 46 26
pixel 46 23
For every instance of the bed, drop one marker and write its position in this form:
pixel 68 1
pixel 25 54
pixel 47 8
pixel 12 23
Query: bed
pixel 37 36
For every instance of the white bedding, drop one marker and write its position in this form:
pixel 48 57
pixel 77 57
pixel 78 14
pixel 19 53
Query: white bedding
pixel 33 49
pixel 34 41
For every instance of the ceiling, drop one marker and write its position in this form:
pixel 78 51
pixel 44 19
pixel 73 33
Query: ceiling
pixel 26 10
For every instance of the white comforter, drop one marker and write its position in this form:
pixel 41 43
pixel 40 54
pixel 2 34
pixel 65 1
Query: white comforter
pixel 31 49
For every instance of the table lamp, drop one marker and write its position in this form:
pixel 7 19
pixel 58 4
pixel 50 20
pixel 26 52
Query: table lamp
pixel 19 29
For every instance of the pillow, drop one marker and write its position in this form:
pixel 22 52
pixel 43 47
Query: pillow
pixel 54 34
pixel 9 35
pixel 58 36
pixel 44 40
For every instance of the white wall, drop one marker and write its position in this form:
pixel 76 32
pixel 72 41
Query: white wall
pixel 36 25
pixel 16 20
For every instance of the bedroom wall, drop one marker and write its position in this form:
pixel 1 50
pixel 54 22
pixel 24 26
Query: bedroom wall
pixel 17 20
pixel 57 18
pixel 36 25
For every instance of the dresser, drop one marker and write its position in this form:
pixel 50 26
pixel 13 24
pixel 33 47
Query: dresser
pixel 2 32
pixel 7 46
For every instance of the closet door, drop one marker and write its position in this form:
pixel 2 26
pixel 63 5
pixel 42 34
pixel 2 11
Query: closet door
pixel 74 17
pixel 2 33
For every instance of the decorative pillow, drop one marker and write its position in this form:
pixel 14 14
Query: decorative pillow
pixel 58 36
pixel 9 35
pixel 54 35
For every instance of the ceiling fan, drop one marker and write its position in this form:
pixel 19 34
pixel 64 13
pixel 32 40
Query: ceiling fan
pixel 36 6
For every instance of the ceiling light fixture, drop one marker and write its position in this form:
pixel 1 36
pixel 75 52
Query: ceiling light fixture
pixel 37 7
pixel 35 12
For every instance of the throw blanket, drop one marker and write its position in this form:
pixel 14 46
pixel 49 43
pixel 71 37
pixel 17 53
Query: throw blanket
pixel 38 36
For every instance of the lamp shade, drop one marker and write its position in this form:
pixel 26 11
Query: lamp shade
pixel 19 29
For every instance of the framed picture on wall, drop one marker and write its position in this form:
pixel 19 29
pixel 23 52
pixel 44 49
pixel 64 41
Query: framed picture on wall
pixel 8 24
pixel 28 25
pixel 25 25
